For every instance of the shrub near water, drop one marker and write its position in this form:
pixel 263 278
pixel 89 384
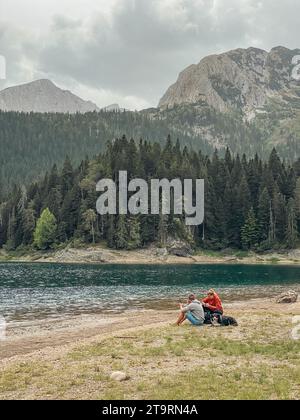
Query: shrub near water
pixel 45 232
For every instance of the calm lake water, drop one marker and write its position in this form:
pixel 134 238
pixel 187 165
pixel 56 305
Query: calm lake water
pixel 38 291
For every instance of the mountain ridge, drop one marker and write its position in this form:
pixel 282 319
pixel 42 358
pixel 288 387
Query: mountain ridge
pixel 43 140
pixel 43 96
pixel 241 79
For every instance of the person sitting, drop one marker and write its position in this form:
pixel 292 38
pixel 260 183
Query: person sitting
pixel 212 305
pixel 193 312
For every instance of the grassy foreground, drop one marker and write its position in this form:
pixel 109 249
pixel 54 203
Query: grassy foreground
pixel 257 360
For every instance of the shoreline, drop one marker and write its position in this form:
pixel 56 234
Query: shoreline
pixel 30 336
pixel 149 256
pixel 74 359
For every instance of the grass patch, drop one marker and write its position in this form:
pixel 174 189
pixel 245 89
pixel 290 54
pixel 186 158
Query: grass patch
pixel 190 340
pixel 249 362
pixel 274 260
pixel 240 254
pixel 226 383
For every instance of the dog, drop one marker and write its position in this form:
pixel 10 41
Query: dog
pixel 225 321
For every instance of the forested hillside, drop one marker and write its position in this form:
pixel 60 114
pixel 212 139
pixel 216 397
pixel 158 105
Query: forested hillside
pixel 30 144
pixel 249 204
pixel 244 100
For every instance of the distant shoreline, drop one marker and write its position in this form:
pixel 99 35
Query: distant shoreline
pixel 150 256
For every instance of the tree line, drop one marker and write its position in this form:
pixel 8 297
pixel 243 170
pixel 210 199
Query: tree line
pixel 249 203
pixel 30 144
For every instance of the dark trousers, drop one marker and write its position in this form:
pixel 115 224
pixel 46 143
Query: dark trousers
pixel 209 314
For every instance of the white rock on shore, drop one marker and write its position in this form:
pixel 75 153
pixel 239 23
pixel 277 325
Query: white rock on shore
pixel 289 296
pixel 119 376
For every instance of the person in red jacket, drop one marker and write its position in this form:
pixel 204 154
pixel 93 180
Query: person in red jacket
pixel 212 304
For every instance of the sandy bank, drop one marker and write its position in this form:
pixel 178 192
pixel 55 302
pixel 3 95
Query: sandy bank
pixel 63 334
pixel 74 359
pixel 151 255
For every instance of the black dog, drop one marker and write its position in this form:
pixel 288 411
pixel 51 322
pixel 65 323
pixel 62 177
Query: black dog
pixel 226 321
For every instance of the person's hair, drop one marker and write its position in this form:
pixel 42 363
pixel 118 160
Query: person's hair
pixel 211 292
pixel 192 297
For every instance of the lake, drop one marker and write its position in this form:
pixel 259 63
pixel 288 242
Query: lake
pixel 39 291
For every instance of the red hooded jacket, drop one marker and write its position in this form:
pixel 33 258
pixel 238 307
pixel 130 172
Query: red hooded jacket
pixel 214 303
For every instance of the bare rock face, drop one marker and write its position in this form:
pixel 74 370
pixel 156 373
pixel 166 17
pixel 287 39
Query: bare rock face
pixel 161 252
pixel 294 254
pixel 240 79
pixel 119 376
pixel 179 248
pixel 287 297
pixel 43 96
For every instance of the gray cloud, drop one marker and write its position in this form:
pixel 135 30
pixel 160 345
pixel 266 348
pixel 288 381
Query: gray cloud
pixel 134 52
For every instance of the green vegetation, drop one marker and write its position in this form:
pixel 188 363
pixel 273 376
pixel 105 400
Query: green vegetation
pixel 45 231
pixel 31 144
pixel 250 231
pixel 249 204
pixel 258 360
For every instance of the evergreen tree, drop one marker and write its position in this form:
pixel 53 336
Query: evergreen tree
pixel 250 231
pixel 162 230
pixel 121 234
pixel 244 197
pixel 291 232
pixel 11 243
pixel 297 202
pixel 264 215
pixel 238 192
pixel 280 217
pixel 28 224
pixel 134 228
pixel 89 223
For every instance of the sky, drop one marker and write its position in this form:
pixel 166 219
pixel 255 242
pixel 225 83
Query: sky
pixel 130 51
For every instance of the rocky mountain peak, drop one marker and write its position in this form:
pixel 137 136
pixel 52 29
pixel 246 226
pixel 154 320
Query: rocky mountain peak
pixel 43 96
pixel 241 79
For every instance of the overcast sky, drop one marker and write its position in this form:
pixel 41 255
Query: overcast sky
pixel 130 51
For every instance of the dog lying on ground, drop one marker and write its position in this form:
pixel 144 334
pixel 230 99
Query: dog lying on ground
pixel 225 321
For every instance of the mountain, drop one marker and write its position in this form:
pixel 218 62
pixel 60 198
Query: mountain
pixel 247 99
pixel 43 96
pixel 114 108
pixel 241 79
